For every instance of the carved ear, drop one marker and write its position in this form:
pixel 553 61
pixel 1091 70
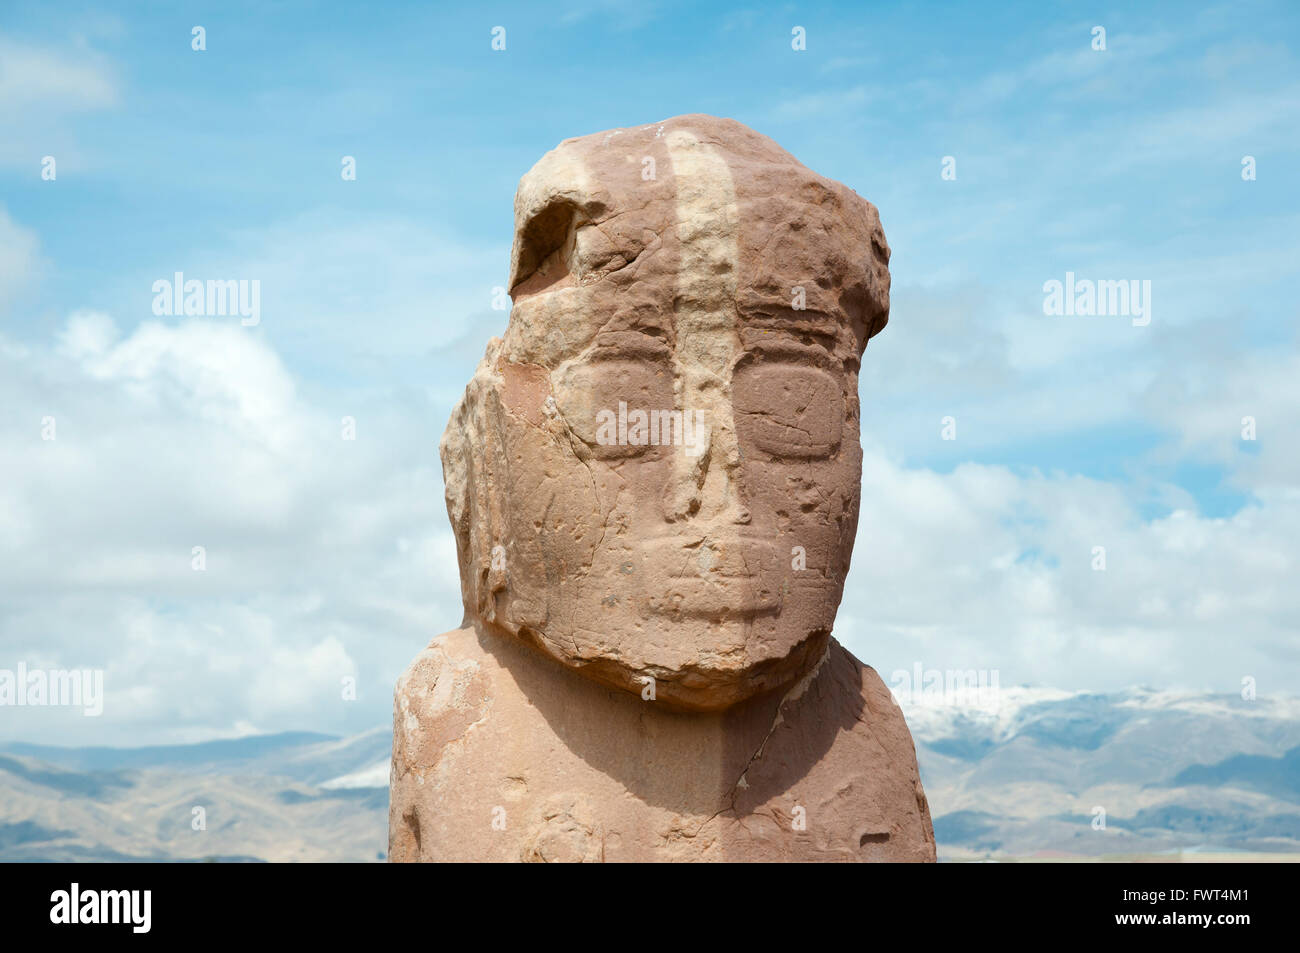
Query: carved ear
pixel 865 297
pixel 463 447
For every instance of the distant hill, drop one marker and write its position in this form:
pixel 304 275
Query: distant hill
pixel 1025 774
pixel 284 797
pixel 223 751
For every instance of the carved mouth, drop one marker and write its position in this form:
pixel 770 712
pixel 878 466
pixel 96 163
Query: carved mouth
pixel 711 576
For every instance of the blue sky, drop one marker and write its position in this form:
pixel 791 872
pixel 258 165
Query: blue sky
pixel 1071 431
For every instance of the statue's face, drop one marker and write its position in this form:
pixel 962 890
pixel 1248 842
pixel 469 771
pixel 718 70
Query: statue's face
pixel 674 477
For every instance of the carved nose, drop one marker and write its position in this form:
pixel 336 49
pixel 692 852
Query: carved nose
pixel 705 318
pixel 682 492
pixel 706 487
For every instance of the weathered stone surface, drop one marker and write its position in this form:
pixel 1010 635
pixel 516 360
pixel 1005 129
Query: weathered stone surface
pixel 672 293
pixel 501 755
pixel 686 579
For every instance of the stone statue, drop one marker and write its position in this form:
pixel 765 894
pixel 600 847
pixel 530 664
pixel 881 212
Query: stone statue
pixel 653 479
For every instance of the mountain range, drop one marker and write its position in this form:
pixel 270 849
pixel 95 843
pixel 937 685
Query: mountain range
pixel 1024 774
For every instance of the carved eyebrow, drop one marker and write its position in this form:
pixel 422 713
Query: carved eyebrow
pixel 637 341
pixel 784 341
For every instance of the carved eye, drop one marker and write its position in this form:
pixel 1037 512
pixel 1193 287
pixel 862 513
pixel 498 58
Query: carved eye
pixel 788 410
pixel 589 396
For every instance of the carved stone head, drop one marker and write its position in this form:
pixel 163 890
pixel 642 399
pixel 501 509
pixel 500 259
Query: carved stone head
pixel 655 474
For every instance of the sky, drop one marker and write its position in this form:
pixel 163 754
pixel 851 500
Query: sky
pixel 1003 148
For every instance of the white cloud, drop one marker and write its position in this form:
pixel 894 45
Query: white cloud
pixel 66 80
pixel 325 558
pixel 356 295
pixel 824 103
pixel 19 258
pixel 981 568
pixel 41 90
